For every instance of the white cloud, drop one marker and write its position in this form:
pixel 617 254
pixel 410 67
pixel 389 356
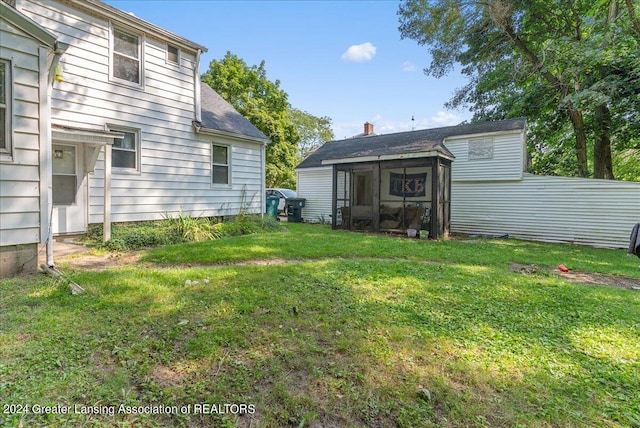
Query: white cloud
pixel 442 118
pixel 408 66
pixel 359 53
pixel 388 126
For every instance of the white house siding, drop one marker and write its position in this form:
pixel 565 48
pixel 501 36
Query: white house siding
pixel 19 174
pixel 508 161
pixel 552 209
pixel 314 184
pixel 170 190
pixel 175 163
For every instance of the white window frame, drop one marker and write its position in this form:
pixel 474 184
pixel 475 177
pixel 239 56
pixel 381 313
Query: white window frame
pixel 481 149
pixel 6 152
pixel 138 150
pixel 228 165
pixel 174 63
pixel 140 59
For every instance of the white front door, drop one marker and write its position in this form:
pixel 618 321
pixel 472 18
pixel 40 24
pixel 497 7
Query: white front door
pixel 69 214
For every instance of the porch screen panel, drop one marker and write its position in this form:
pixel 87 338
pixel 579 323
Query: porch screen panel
pixel 405 198
pixel 343 196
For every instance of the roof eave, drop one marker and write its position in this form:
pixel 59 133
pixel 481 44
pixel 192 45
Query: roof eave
pixel 218 133
pixel 484 134
pixel 360 159
pixel 27 25
pixel 114 13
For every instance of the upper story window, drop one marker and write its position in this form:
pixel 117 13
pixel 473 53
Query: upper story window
pixel 125 152
pixel 220 165
pixel 173 55
pixel 5 107
pixel 481 149
pixel 127 57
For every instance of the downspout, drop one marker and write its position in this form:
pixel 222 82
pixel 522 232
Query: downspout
pixel 197 107
pixel 46 160
pixel 263 174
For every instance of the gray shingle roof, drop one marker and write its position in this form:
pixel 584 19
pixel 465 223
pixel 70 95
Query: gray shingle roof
pixel 219 115
pixel 399 143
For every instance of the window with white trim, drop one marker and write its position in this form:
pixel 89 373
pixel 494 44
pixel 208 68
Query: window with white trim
pixel 220 171
pixel 5 107
pixel 125 152
pixel 126 57
pixel 173 54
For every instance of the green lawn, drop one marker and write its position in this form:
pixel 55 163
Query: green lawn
pixel 329 329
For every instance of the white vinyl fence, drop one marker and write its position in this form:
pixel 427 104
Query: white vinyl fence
pixel 583 211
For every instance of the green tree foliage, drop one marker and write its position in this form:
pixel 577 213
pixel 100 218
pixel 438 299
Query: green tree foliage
pixel 571 67
pixel 266 106
pixel 314 131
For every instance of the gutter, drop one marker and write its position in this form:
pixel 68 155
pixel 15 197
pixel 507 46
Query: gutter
pixel 217 133
pixel 197 103
pixel 113 13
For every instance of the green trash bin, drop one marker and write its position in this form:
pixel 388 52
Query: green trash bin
pixel 294 209
pixel 272 206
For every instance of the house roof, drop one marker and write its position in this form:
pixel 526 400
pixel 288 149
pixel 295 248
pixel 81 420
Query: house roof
pixel 387 146
pixel 121 16
pixel 27 25
pixel 218 116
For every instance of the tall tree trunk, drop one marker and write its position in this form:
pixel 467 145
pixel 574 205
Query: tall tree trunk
pixel 581 141
pixel 602 164
pixel 563 89
pixel 632 16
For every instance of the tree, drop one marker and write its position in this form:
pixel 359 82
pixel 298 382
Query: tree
pixel 571 69
pixel 314 131
pixel 266 106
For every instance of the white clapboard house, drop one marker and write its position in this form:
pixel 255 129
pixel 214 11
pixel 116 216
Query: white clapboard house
pixel 491 192
pixel 103 118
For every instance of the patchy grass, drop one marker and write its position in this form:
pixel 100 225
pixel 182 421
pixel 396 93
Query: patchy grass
pixel 306 242
pixel 357 333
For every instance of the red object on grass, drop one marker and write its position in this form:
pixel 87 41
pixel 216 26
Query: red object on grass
pixel 563 268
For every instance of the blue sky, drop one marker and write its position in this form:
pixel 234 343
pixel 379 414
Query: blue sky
pixel 341 59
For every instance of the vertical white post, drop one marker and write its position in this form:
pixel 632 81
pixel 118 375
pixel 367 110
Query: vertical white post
pixel 46 193
pixel 106 226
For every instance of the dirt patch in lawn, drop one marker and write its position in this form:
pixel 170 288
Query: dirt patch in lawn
pixel 584 278
pixel 87 261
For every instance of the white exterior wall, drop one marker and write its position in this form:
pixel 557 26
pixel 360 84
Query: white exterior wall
pixel 175 163
pixel 314 184
pixel 185 188
pixel 552 209
pixel 494 196
pixel 19 172
pixel 508 162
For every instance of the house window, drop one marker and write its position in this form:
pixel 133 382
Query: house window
pixel 125 151
pixel 5 104
pixel 173 54
pixel 127 53
pixel 480 149
pixel 220 164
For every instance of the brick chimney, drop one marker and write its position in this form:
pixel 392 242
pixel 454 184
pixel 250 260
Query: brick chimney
pixel 368 128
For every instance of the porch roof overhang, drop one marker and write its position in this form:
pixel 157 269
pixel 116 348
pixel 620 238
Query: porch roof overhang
pixel 92 139
pixel 362 159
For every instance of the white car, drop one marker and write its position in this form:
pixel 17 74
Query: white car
pixel 282 194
